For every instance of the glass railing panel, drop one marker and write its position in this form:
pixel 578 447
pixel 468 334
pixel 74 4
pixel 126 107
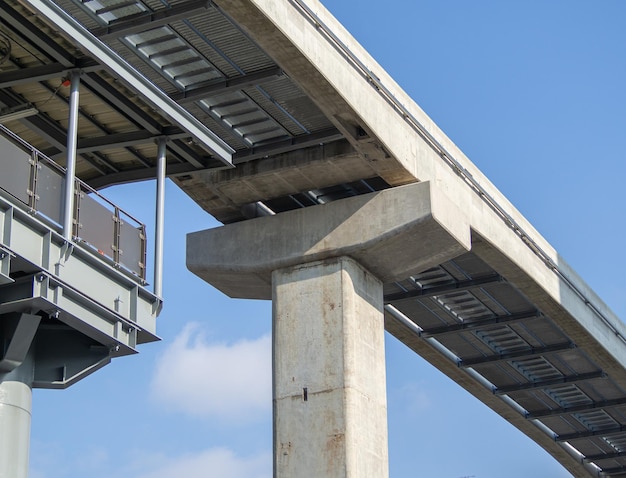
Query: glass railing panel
pixel 96 226
pixel 49 192
pixel 132 241
pixel 15 170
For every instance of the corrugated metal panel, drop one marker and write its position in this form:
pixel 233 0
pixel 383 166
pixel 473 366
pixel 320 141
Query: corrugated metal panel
pixel 186 29
pixel 293 100
pixel 232 42
pixel 172 57
pixel 217 126
pixel 244 117
pixel 145 69
pixel 110 10
pixel 187 53
pixel 83 15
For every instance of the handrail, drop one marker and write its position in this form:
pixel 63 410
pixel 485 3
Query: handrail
pixel 452 161
pixel 61 169
pixel 97 223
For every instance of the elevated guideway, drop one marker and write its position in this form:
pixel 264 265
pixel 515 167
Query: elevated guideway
pixel 508 319
pixel 279 90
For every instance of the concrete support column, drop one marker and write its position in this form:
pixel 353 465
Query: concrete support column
pixel 323 268
pixel 330 406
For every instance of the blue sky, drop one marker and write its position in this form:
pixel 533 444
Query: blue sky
pixel 533 92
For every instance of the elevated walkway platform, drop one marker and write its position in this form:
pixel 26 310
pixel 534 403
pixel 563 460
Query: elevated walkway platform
pixel 80 303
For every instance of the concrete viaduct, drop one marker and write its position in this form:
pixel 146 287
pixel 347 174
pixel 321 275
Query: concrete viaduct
pixel 342 202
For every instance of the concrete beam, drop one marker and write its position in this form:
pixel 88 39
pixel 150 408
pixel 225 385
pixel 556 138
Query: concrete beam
pixel 392 233
pixel 340 91
pixel 223 193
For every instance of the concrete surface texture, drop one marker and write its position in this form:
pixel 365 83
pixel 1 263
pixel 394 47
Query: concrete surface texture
pixel 391 233
pixel 329 362
pixel 330 413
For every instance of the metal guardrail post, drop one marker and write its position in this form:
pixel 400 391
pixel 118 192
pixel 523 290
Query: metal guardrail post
pixel 144 252
pixel 117 232
pixel 76 210
pixel 32 185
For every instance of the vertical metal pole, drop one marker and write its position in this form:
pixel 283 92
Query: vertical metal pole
pixel 72 139
pixel 159 222
pixel 15 419
pixel 15 416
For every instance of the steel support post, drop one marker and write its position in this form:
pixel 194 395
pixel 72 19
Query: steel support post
pixel 159 220
pixel 72 141
pixel 15 418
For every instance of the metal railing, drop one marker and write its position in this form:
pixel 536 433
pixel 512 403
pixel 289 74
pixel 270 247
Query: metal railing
pixel 98 225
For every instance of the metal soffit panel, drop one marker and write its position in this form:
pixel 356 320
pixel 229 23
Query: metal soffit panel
pixel 473 316
pixel 193 53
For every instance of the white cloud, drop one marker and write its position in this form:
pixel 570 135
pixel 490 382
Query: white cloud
pixel 50 459
pixel 217 380
pixel 412 397
pixel 218 462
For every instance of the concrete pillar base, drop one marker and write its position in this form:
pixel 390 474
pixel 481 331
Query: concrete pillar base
pixel 330 407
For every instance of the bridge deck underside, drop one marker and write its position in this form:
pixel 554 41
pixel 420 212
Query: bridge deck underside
pixel 513 356
pixel 192 52
pixel 201 60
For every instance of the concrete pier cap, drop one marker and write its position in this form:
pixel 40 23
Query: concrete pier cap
pixel 392 233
